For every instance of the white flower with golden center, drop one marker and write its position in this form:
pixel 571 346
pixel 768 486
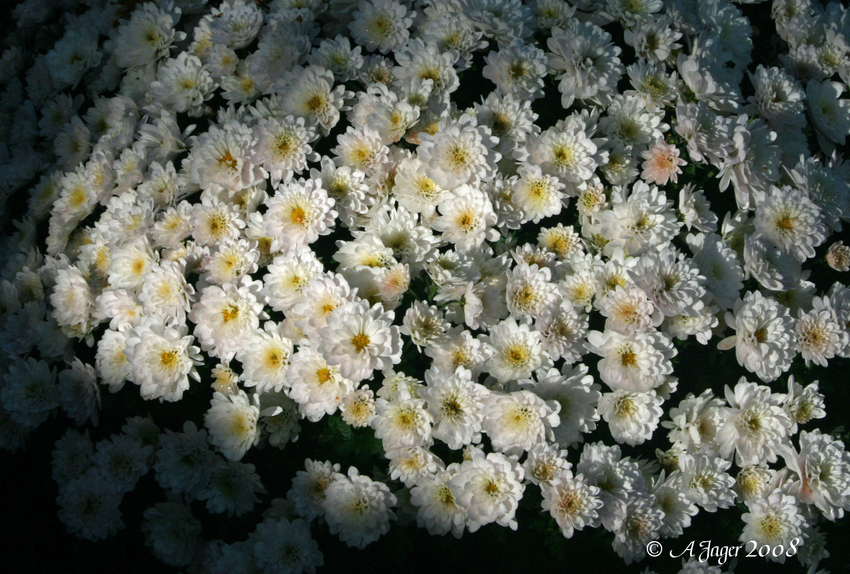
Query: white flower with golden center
pixel 225 315
pixel 162 358
pixel 572 502
pixel 308 93
pixel 631 417
pixel 456 404
pixel 517 421
pixel 283 146
pixel 460 152
pixel 774 520
pixel 414 189
pixel 72 299
pixel 232 422
pixel 360 148
pixel 403 422
pixel 705 480
pixel 288 274
pixel 536 194
pixel 213 221
pixel 638 362
pixel 265 356
pixel 489 488
pixel 298 214
pixel 467 219
pixel 791 221
pixel 629 310
pixel 438 508
pixel 529 291
pixel 166 291
pixel 358 509
pixel 381 25
pixel 818 335
pixel 130 264
pixel 358 408
pixel 316 386
pixel 517 351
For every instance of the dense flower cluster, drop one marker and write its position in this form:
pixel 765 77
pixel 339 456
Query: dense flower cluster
pixel 282 207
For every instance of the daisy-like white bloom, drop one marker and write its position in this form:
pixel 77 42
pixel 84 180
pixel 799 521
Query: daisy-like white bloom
pixel 460 152
pixel 671 281
pixel 359 339
pixel 308 488
pixel 79 394
pixel 791 221
pixel 489 488
pixel 298 214
pixel 358 408
pixel 283 147
pixel 755 424
pixel 778 98
pixel 705 480
pixel 460 349
pixel 803 403
pixel 572 502
pixel 829 113
pixel 72 300
pixel 308 93
pixel 383 111
pixel 762 340
pixel 586 61
pixel 545 463
pixel 316 386
pixel 456 404
pixel 515 422
pixel 517 69
pixel 29 392
pixel 162 358
pixel 822 469
pixel 718 263
pixel 287 276
pixel 166 291
pixel 235 25
pixel 111 360
pixel 467 218
pixel 631 417
pixel 265 357
pixel 213 220
pixel 225 314
pixel 337 56
pixel 225 156
pixel 411 463
pixel 424 324
pixel 639 222
pixel 361 148
pixel 232 489
pixel 516 349
pixel 402 423
pixel 695 422
pixel 629 310
pixel 577 396
pixel 281 546
pixel 662 163
pixel 638 362
pixel 818 335
pixel 773 520
pixel 567 153
pixel 318 299
pixel 88 506
pixel 754 482
pixel 358 509
pixel 676 508
pixel 182 85
pixel 536 194
pixel 415 190
pixel 232 422
pixel 122 460
pixel 147 36
pixel 437 506
pixel 381 25
pixel 529 291
pixel 640 524
pixel 769 265
pixel 184 460
pixel 74 54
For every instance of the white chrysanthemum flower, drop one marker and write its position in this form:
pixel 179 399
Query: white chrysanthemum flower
pixel 576 393
pixel 516 349
pixel 384 112
pixel 830 114
pixel 29 392
pixel 456 404
pixel 763 331
pixel 545 463
pixel 265 357
pixel 72 301
pixel 718 263
pixel 279 418
pixel 822 469
pixel 705 481
pixel 358 508
pixel 182 85
pixel 235 25
pixel 79 394
pixel 437 503
pixel 415 190
pixel 640 222
pixel 775 521
pixel 791 221
pixel 563 330
pixel 572 502
pixel 319 298
pixel 567 153
pixel 360 339
pixel 122 460
pixel 402 423
pixel 225 314
pixel 754 482
pixel 517 69
pixel 287 276
pixel 147 36
pixel 283 547
pixel 489 488
pixel 361 148
pixel 425 325
pixel 213 221
pixel 529 291
pixel 460 349
pixel 358 408
pixel 172 226
pixel 232 488
pixel 229 261
pixel 111 359
pixel 638 362
pixel 803 403
pixel 409 464
pixel 640 524
pixel 631 417
pixel 460 152
pixel 165 291
pixel 818 336
pixel 184 460
pixel 232 422
pixel 381 25
pixel 515 422
pixel 162 358
pixel 419 60
pixel 298 214
pixel 308 93
pixel 628 310
pixel 536 194
pixel 283 147
pixel 308 488
pixel 75 53
pixel 587 62
pixel 173 533
pixel 88 506
pixel 337 56
pixel 695 422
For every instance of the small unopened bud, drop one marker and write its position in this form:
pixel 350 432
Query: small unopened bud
pixel 838 256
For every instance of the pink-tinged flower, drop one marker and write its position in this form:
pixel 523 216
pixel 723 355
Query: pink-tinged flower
pixel 662 163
